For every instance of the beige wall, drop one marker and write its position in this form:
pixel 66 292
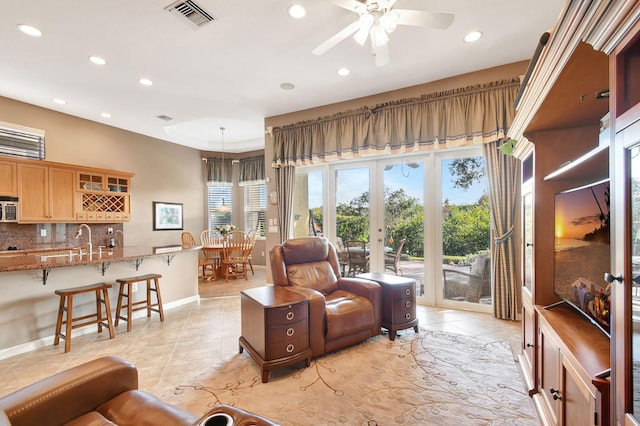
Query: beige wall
pixel 478 77
pixel 163 171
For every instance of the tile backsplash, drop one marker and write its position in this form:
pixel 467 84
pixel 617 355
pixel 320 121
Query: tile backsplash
pixel 52 235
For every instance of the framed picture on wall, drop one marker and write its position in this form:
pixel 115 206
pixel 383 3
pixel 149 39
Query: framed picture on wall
pixel 167 216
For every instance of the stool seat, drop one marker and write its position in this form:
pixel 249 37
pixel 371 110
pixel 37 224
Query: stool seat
pixel 131 306
pixel 66 305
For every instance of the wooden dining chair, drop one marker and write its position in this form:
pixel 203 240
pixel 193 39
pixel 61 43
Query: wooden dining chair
pixel 358 257
pixel 237 246
pixel 204 263
pixel 208 238
pixel 253 234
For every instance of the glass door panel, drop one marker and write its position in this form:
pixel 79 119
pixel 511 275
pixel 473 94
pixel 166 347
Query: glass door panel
pixel 465 232
pixel 352 201
pixel 308 209
pixel 403 220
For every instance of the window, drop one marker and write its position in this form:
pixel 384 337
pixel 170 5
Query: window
pixel 255 207
pixel 219 195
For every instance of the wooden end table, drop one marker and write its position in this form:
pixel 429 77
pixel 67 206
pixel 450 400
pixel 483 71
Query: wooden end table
pixel 275 327
pixel 398 301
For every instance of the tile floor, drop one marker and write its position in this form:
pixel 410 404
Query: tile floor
pixel 196 335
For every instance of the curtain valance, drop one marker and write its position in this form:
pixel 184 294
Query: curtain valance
pixel 461 117
pixel 251 170
pixel 219 171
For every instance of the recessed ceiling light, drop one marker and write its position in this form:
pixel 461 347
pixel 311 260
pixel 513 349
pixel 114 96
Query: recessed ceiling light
pixel 105 115
pixel 343 71
pixel 287 86
pixel 29 30
pixel 473 36
pixel 97 60
pixel 59 101
pixel 145 82
pixel 296 11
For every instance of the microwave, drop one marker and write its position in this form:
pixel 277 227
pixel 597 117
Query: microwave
pixel 9 208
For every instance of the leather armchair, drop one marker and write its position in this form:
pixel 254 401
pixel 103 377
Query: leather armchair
pixel 342 311
pixel 102 392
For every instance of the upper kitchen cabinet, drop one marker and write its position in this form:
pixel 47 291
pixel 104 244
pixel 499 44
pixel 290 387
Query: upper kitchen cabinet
pixel 103 196
pixel 46 194
pixel 65 193
pixel 8 179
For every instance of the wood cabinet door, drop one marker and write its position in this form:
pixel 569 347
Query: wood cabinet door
pixel 528 356
pixel 578 404
pixel 8 179
pixel 62 194
pixel 33 191
pixel 548 375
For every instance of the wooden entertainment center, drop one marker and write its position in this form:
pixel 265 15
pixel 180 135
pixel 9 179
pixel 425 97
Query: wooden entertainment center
pixel 578 122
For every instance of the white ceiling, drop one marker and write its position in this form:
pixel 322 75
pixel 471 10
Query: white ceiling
pixel 228 72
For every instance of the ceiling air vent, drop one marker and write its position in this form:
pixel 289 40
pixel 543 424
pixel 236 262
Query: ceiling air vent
pixel 20 141
pixel 190 13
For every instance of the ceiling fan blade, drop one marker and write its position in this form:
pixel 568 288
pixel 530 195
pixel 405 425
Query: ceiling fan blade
pixel 420 18
pixel 337 38
pixel 381 54
pixel 352 5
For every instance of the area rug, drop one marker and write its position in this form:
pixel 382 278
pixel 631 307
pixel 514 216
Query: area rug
pixel 425 378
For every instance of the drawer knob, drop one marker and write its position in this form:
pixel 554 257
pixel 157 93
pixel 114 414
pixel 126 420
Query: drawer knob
pixel 290 348
pixel 289 315
pixel 290 331
pixel 407 304
pixel 407 316
pixel 407 291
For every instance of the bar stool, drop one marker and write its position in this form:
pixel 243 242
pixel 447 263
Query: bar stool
pixel 66 305
pixel 125 291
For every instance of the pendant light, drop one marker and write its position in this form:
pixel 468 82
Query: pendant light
pixel 223 207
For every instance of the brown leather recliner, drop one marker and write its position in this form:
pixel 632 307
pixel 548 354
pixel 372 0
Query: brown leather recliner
pixel 342 311
pixel 102 392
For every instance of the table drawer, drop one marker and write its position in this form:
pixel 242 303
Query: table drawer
pixel 287 348
pixel 404 310
pixel 285 332
pixel 287 314
pixel 402 291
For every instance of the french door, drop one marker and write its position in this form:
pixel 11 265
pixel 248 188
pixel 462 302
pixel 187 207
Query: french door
pixel 397 203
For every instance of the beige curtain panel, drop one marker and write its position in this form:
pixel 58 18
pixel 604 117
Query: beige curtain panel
pixel 461 117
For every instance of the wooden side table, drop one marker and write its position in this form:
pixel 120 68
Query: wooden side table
pixel 398 301
pixel 275 327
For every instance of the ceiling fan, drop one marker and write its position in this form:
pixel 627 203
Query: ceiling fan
pixel 376 20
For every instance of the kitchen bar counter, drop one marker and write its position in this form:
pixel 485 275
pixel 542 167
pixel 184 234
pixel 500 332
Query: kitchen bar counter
pixel 64 257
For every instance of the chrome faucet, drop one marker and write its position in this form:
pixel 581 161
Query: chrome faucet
pixel 80 233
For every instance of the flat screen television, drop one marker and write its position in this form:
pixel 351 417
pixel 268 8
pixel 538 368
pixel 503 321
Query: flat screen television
pixel 582 251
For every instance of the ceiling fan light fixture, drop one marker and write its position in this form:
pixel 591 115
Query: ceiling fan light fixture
pixel 366 22
pixel 389 21
pixel 379 37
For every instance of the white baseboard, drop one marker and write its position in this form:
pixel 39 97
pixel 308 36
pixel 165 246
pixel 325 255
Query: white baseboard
pixel 48 341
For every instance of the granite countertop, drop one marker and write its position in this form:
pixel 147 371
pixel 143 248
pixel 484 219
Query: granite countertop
pixel 58 257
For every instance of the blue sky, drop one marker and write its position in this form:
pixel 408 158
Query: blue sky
pixel 354 182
